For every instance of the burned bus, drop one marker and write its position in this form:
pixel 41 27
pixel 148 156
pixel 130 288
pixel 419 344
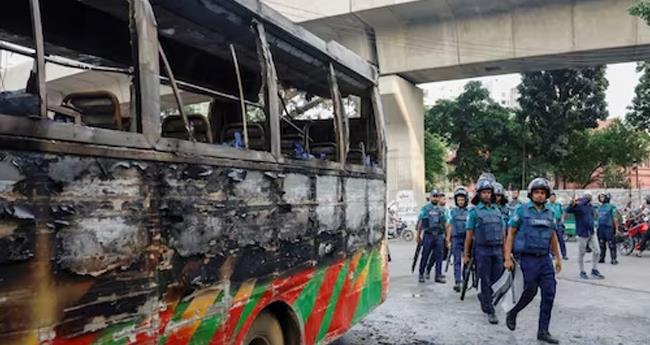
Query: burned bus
pixel 185 172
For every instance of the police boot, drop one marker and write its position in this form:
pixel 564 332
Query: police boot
pixel 614 262
pixel 421 279
pixel 511 321
pixel 546 337
pixel 457 287
pixel 492 319
pixel 427 276
pixel 441 280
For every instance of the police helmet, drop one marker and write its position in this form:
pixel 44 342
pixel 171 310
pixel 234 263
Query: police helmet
pixel 498 189
pixel 461 191
pixel 540 183
pixel 435 192
pixel 484 184
pixel 606 196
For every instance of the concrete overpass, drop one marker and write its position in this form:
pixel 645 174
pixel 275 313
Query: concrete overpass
pixel 418 41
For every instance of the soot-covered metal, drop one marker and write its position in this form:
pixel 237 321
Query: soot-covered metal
pixel 88 242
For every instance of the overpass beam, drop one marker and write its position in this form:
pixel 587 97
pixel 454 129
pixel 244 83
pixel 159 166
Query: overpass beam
pixel 403 104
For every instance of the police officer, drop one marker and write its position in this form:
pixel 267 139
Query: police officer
pixel 485 225
pixel 558 212
pixel 458 220
pixel 533 233
pixel 502 201
pixel 607 227
pixel 432 228
pixel 435 260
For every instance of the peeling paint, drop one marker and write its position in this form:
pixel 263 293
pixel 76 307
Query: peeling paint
pixel 123 237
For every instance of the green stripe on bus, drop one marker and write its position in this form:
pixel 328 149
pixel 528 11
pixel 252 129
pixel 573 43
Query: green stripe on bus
pixel 107 337
pixel 304 304
pixel 208 326
pixel 331 306
pixel 250 306
pixel 363 261
pixel 370 295
pixel 178 314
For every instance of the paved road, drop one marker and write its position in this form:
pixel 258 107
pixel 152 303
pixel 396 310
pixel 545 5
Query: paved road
pixel 614 311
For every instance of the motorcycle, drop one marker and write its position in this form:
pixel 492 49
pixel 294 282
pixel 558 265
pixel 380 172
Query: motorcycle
pixel 401 230
pixel 631 237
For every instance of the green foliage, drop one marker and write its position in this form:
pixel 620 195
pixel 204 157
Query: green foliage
pixel 641 9
pixel 435 159
pixel 556 104
pixel 639 114
pixel 610 151
pixel 476 127
pixel 615 177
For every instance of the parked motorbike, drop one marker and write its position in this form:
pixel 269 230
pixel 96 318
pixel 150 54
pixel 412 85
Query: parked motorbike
pixel 631 237
pixel 401 230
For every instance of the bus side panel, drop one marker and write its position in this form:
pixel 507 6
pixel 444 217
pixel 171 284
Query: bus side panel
pixel 75 235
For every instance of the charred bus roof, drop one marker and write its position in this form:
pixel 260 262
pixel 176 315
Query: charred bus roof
pixel 195 35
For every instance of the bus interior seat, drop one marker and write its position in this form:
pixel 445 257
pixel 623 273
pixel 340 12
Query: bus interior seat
pixel 290 136
pixel 98 109
pixel 355 156
pixel 18 103
pixel 323 151
pixel 173 126
pixel 256 135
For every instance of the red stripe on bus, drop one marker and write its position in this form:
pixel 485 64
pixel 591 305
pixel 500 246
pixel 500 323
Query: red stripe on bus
pixel 313 324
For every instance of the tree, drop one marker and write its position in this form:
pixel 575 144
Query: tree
pixel 604 153
pixel 641 9
pixel 435 159
pixel 475 126
pixel 556 105
pixel 639 114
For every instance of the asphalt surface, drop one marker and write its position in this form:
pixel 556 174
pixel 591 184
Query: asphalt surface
pixel 613 311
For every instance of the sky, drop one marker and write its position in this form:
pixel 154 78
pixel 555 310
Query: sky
pixel 622 81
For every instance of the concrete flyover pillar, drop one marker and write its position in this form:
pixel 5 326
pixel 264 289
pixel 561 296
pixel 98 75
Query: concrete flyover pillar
pixel 404 112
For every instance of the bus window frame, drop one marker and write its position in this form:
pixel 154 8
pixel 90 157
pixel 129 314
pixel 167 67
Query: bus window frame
pixel 147 82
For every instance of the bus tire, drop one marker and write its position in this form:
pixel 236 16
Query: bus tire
pixel 266 330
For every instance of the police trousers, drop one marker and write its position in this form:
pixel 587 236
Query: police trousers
pixel 538 274
pixel 606 239
pixel 458 251
pixel 560 238
pixel 489 267
pixel 432 248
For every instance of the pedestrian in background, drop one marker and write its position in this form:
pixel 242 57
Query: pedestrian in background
pixel 584 214
pixel 514 202
pixel 558 213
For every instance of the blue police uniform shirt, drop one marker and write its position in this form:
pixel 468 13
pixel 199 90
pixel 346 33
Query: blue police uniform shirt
pixel 557 210
pixel 584 213
pixel 472 222
pixel 424 214
pixel 534 228
pixel 606 215
pixel 457 220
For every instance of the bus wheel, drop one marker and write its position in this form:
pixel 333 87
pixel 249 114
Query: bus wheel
pixel 266 330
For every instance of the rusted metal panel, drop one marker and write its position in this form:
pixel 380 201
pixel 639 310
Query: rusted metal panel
pixel 112 240
pixel 29 127
pixel 356 212
pixel 39 61
pixel 144 31
pixel 272 98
